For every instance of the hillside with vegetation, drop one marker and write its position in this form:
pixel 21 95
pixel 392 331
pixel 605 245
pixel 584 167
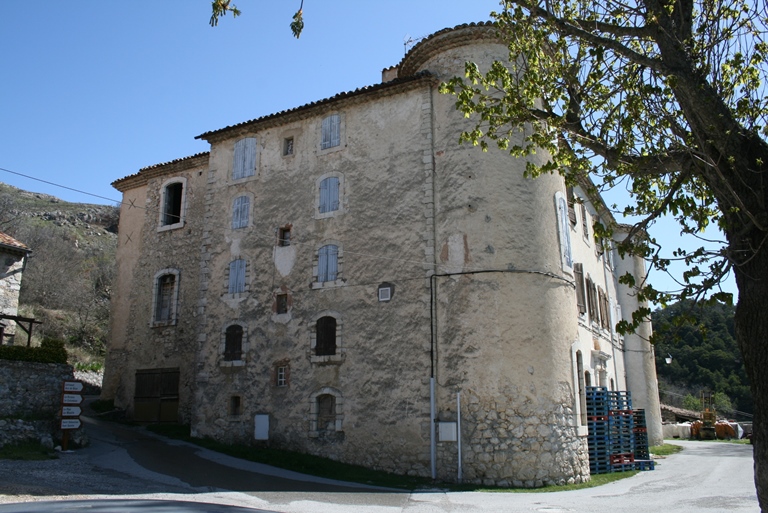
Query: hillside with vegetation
pixel 67 282
pixel 704 357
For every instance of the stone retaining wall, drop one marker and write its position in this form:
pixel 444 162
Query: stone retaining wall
pixel 33 390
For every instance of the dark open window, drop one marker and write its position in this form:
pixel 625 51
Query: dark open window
pixel 172 205
pixel 326 336
pixel 282 303
pixel 284 236
pixel 233 343
pixel 235 405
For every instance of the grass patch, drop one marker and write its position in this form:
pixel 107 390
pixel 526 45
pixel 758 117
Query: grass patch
pixel 27 451
pixel 664 450
pixel 323 467
pixel 596 480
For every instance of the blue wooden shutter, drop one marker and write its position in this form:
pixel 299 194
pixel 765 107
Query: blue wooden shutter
pixel 333 261
pixel 244 160
pixel 237 276
pixel 322 264
pixel 329 194
pixel 324 205
pixel 565 231
pixel 240 211
pixel 330 132
pixel 333 192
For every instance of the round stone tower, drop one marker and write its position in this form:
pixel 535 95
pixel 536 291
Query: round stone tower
pixel 504 306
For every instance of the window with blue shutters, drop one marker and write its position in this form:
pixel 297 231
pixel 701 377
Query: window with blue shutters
pixel 236 276
pixel 327 263
pixel 240 211
pixel 329 195
pixel 244 159
pixel 330 135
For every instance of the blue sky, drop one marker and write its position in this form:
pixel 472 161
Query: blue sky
pixel 95 90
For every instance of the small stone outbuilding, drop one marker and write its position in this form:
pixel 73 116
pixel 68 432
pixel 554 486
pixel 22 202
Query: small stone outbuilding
pixel 13 260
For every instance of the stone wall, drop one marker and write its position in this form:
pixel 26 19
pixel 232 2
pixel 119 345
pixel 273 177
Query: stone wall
pixel 33 390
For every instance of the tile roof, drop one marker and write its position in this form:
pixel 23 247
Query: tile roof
pixel 9 242
pixel 381 87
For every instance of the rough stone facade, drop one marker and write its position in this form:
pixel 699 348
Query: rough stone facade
pixel 350 282
pixel 30 402
pixel 13 258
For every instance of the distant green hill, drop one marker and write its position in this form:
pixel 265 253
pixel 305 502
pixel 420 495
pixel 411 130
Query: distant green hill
pixel 704 353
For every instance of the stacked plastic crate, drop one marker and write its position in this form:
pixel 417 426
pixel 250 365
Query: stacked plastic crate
pixel 621 422
pixel 599 433
pixel 642 455
pixel 617 437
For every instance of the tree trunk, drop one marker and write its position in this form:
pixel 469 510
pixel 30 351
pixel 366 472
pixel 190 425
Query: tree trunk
pixel 751 326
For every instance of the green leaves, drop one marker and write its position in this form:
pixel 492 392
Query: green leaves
pixel 297 25
pixel 618 92
pixel 219 8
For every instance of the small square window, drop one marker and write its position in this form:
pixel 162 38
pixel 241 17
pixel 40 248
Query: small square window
pixel 282 376
pixel 288 146
pixel 235 405
pixel 282 303
pixel 386 291
pixel 284 236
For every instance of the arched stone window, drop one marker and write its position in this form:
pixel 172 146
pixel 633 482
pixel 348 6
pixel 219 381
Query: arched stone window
pixel 326 408
pixel 165 298
pixel 325 330
pixel 172 204
pixel 233 343
pixel 233 347
pixel 325 338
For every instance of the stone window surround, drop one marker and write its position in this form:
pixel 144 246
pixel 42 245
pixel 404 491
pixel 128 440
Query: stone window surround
pixel 342 196
pixel 284 364
pixel 294 134
pixel 183 209
pixel 340 355
pixel 223 346
pixel 314 432
pixel 342 134
pixel 339 281
pixel 174 301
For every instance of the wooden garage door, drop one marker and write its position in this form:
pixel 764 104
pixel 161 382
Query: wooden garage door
pixel 157 395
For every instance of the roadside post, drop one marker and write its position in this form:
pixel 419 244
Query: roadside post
pixel 71 397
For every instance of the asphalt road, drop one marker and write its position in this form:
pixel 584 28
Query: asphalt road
pixel 125 463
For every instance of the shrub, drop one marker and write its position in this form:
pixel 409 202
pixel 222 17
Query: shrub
pixel 50 351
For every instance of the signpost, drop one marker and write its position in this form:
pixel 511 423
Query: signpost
pixel 70 415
